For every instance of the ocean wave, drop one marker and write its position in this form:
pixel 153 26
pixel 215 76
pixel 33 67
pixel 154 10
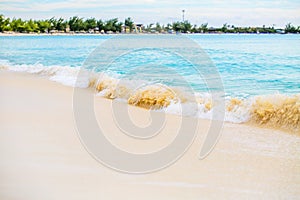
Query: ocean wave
pixel 276 110
pixel 65 75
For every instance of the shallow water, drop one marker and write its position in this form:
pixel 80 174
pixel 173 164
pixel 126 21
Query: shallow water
pixel 260 73
pixel 248 64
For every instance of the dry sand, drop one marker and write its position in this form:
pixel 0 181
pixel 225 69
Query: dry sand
pixel 43 158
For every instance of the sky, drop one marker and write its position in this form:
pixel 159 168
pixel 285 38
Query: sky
pixel 213 12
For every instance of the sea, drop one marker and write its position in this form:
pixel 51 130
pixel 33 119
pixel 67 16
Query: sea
pixel 259 73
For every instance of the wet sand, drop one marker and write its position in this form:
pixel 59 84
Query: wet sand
pixel 43 158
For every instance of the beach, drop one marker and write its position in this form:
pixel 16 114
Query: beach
pixel 154 100
pixel 42 156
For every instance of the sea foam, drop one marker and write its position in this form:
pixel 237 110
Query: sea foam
pixel 274 110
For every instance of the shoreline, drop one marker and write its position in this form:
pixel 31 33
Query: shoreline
pixel 110 34
pixel 41 153
pixel 259 112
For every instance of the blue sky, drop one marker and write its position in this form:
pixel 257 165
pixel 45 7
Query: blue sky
pixel 214 12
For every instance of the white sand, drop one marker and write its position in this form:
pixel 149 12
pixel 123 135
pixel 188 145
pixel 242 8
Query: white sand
pixel 43 158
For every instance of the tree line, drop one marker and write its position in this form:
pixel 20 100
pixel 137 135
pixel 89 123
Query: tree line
pixel 77 24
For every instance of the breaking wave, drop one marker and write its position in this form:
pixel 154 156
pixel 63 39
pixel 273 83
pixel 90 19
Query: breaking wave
pixel 275 110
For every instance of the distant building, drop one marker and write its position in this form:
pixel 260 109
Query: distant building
pixel 137 28
pixel 125 29
pixel 212 30
pixel 280 31
pixel 91 31
pixel 53 31
pixel 67 29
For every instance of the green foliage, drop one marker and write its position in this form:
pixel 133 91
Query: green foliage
pixel 90 23
pixel 194 29
pixel 203 28
pixel 78 24
pixel 187 26
pixel 182 27
pixel 4 23
pixel 129 22
pixel 100 25
pixel 60 24
pixel 224 28
pixel 177 26
pixel 119 26
pixel 149 27
pixel 30 26
pixel 289 28
pixel 112 25
pixel 43 26
pixel 158 27
pixel 17 25
pixel 169 27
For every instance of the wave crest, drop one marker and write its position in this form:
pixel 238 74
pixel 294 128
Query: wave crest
pixel 276 110
pixel 153 97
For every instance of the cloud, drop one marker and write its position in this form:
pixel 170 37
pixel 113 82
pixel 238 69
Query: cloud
pixel 215 12
pixel 11 1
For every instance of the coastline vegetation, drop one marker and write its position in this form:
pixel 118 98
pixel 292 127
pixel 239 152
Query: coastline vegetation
pixel 92 25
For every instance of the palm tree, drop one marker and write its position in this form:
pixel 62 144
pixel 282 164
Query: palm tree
pixel 43 26
pixel 224 28
pixel 4 22
pixel 177 26
pixel 194 29
pixel 31 26
pixel 149 27
pixel 76 24
pixel 158 27
pixel 17 25
pixel 129 22
pixel 61 24
pixel 289 28
pixel 187 26
pixel 100 25
pixel 203 27
pixel 111 25
pixel 90 23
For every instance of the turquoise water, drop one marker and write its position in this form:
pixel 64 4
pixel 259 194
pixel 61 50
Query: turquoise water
pixel 248 64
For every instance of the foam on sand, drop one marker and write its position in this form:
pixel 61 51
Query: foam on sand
pixel 153 97
pixel 275 110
